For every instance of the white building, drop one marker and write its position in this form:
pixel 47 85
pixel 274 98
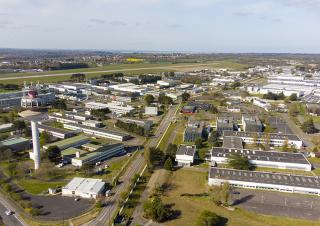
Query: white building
pixel 151 110
pixel 270 159
pixel 99 132
pixel 166 83
pixel 115 107
pixel 84 188
pixel 185 155
pixel 262 103
pixel 265 181
pixel 129 88
pixel 273 139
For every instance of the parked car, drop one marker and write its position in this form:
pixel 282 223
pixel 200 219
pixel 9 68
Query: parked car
pixel 9 212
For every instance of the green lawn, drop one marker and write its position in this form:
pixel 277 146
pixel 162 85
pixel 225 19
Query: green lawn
pixel 163 144
pixel 192 182
pixel 36 187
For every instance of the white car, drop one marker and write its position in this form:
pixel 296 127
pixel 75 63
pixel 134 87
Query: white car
pixel 9 212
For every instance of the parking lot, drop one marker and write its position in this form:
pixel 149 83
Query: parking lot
pixel 59 207
pixel 276 203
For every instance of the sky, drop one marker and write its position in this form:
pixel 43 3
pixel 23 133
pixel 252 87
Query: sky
pixel 262 26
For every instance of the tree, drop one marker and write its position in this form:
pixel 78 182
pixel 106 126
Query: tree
pixel 208 218
pixel 155 209
pixel 168 165
pixel 285 146
pixel 53 153
pixel 199 143
pixel 235 85
pixel 60 104
pixel 308 126
pixel 100 113
pixel 171 150
pixel 163 99
pixel 214 139
pixel 148 99
pixel 225 193
pixel 185 96
pixel 19 125
pixel 154 157
pixel 240 162
pixel 78 77
pixel 44 138
pixel 293 97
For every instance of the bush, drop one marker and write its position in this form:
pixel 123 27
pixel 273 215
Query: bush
pixel 16 196
pixel 99 204
pixel 7 187
pixel 168 164
pixel 208 218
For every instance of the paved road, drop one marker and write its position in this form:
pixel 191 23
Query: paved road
pixel 103 71
pixel 136 166
pixel 12 220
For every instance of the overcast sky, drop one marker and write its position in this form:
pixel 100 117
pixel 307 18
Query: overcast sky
pixel 162 25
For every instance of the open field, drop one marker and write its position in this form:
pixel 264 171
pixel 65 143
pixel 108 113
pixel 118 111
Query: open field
pixel 36 186
pixel 187 181
pixel 63 75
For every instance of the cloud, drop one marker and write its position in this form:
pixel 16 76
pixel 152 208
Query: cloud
pixel 6 24
pixel 174 25
pixel 117 23
pixel 242 13
pixel 97 21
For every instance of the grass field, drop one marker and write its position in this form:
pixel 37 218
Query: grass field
pixel 63 75
pixel 36 186
pixel 187 181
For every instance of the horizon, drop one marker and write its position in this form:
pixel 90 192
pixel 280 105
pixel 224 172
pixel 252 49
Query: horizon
pixel 191 26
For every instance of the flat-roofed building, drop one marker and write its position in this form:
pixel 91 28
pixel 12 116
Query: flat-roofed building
pixel 63 119
pixel 251 123
pixel 185 155
pixel 146 124
pixel 273 139
pixel 55 132
pixel 192 133
pixel 224 123
pixel 270 159
pixel 16 143
pixel 116 107
pixel 99 132
pixel 93 123
pixel 79 157
pixel 232 142
pixel 265 181
pixel 76 141
pixel 84 188
pixel 151 110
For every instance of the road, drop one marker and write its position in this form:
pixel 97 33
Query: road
pixel 103 71
pixel 12 220
pixel 137 165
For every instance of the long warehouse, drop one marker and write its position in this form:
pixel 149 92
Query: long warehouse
pixel 265 181
pixel 271 159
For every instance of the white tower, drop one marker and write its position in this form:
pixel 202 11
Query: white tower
pixel 33 117
pixel 36 144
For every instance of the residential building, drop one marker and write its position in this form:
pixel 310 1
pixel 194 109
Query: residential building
pixel 251 123
pixel 185 155
pixel 225 123
pixel 232 142
pixel 146 124
pixel 193 132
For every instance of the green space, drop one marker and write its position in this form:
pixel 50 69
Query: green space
pixel 64 75
pixel 35 187
pixel 166 137
pixel 187 181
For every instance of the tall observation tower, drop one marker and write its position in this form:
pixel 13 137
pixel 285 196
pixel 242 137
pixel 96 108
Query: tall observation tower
pixel 33 117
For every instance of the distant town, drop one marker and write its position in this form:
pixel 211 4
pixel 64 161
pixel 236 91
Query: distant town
pixel 111 138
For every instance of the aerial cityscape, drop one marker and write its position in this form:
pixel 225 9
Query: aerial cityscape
pixel 159 112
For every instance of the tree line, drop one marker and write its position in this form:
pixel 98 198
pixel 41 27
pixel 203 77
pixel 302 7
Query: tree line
pixel 132 128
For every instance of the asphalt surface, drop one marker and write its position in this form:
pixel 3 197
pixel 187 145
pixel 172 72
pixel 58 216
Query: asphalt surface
pixel 278 203
pixel 111 203
pixel 12 220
